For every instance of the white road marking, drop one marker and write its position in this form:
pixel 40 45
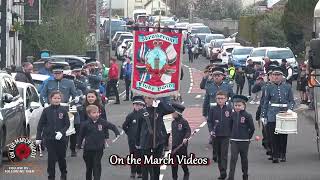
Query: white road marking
pixel 191 81
pixel 203 124
pixel 198 96
pixel 197 130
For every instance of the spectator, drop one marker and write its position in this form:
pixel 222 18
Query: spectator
pixel 46 70
pixel 302 83
pixel 256 90
pixel 240 79
pixel 113 80
pixel 24 73
pixel 250 73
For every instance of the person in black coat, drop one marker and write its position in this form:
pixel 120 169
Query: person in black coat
pixel 181 131
pixel 52 127
pixel 240 79
pixel 24 73
pixel 130 126
pixel 220 125
pixel 151 134
pixel 242 132
pixel 94 133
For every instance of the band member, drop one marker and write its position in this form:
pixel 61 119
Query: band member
pixel 242 132
pixel 151 134
pixel 95 133
pixel 93 74
pixel 278 97
pixel 266 140
pixel 214 84
pixel 65 86
pixel 130 126
pixel 180 133
pixel 220 124
pixel 52 127
pixel 80 81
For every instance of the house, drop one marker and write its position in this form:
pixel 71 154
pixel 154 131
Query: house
pixel 132 5
pixel 156 5
pixel 11 40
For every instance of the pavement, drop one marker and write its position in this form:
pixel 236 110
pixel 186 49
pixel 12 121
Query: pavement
pixel 302 158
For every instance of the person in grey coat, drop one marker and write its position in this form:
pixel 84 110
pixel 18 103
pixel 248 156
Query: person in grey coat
pixel 93 75
pixel 278 97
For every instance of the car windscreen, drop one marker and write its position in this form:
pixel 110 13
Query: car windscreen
pixel 124 37
pixel 209 38
pixel 203 29
pixel 202 37
pixel 245 51
pixel 229 50
pixel 258 53
pixel 280 54
pixel 116 26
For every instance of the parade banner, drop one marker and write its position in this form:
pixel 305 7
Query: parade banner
pixel 156 63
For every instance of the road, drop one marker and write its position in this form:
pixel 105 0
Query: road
pixel 302 162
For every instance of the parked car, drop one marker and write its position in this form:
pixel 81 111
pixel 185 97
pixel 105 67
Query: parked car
pixel 116 25
pixel 121 48
pixel 277 54
pixel 215 46
pixel 116 37
pixel 202 37
pixel 121 38
pixel 208 39
pixel 239 56
pixel 32 105
pixel 12 112
pixel 226 50
pixel 129 50
pixel 257 55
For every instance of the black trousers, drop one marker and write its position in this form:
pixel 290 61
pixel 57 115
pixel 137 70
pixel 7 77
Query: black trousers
pixel 222 147
pixel 74 138
pixel 239 88
pixel 265 138
pixel 278 141
pixel 135 169
pixel 214 148
pixel 93 163
pixel 112 85
pixel 152 170
pixel 250 84
pixel 242 148
pixel 128 84
pixel 190 57
pixel 56 152
pixel 180 152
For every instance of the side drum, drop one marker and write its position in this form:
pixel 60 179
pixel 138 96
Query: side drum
pixel 286 123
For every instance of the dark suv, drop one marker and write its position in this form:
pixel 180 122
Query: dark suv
pixel 12 112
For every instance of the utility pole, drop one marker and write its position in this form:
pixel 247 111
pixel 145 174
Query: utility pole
pixel 166 7
pixel 110 32
pixel 97 29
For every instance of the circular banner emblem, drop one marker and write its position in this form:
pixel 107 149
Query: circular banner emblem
pixel 21 148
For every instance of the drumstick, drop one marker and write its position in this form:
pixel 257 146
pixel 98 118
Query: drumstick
pixel 178 147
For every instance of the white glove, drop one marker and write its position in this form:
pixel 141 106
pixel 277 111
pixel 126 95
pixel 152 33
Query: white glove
pixel 38 142
pixel 77 99
pixel 263 120
pixel 155 103
pixel 58 135
pixel 289 111
pixel 46 105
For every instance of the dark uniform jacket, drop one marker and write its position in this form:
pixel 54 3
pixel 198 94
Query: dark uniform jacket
pixel 94 79
pixel 180 130
pixel 130 125
pixel 277 94
pixel 81 84
pixel 210 98
pixel 65 86
pixel 53 119
pixel 95 134
pixel 263 92
pixel 242 127
pixel 220 121
pixel 144 137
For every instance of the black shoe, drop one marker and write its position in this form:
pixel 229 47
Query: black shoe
pixel 268 153
pixel 63 177
pixel 283 159
pixel 275 160
pixel 132 176
pixel 117 102
pixel 73 154
pixel 222 177
pixel 270 158
pixel 215 159
pixel 139 175
pixel 186 176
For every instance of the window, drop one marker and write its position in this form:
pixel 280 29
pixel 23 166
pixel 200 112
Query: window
pixel 35 96
pixel 28 98
pixel 12 87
